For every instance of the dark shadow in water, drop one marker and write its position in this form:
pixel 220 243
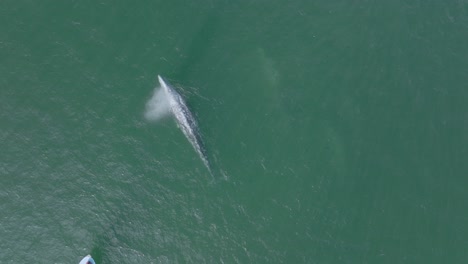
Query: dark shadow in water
pixel 201 42
pixel 103 243
pixel 97 254
pixel 98 251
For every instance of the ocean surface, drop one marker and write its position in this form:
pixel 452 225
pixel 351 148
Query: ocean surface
pixel 337 131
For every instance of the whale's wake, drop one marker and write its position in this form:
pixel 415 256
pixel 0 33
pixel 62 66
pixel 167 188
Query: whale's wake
pixel 167 101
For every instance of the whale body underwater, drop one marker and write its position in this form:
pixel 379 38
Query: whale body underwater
pixel 168 100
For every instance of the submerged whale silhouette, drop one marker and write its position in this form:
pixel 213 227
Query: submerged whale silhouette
pixel 185 120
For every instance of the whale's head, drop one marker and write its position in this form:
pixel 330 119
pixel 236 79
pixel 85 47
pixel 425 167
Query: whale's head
pixel 163 84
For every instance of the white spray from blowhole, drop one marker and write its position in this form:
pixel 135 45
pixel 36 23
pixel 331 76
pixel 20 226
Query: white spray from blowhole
pixel 158 106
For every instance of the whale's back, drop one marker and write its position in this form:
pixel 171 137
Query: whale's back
pixel 185 120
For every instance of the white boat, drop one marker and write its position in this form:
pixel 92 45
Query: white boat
pixel 87 260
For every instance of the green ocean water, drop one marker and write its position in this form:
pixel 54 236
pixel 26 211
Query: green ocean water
pixel 337 132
